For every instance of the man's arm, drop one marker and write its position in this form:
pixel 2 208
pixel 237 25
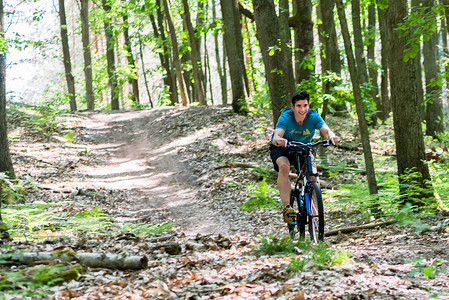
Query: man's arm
pixel 327 132
pixel 278 139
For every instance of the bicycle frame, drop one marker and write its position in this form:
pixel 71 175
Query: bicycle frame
pixel 306 179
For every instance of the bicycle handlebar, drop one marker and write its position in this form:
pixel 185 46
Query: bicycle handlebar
pixel 294 144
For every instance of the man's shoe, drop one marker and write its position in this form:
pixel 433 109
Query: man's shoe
pixel 288 210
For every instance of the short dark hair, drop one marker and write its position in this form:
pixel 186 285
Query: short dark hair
pixel 300 95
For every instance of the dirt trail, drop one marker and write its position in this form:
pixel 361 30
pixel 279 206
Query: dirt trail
pixel 141 158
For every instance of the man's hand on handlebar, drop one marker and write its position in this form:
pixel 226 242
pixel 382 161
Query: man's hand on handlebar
pixel 334 140
pixel 281 142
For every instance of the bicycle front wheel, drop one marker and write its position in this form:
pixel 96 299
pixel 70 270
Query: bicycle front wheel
pixel 316 216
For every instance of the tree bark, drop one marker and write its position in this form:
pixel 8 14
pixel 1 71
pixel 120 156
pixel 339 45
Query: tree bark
pixel 286 48
pixel 84 12
pixel 410 151
pixel 144 72
pixel 369 165
pixel 418 63
pixel 133 81
pixel 110 57
pixel 303 27
pixel 93 260
pixel 234 49
pixel 197 78
pixel 6 165
pixel 267 31
pixel 176 57
pixel 66 56
pixel 434 107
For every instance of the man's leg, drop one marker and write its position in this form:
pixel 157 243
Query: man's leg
pixel 283 180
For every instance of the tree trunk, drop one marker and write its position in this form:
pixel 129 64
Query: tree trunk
pixel 224 90
pixel 144 72
pixel 372 66
pixel 217 57
pixel 267 31
pixel 418 62
pixel 329 54
pixel 84 12
pixel 110 57
pixel 234 49
pixel 385 108
pixel 197 78
pixel 170 78
pixel 406 107
pixel 6 165
pixel 434 107
pixel 369 165
pixel 286 50
pixel 303 27
pixel 93 260
pixel 133 81
pixel 66 56
pixel 176 57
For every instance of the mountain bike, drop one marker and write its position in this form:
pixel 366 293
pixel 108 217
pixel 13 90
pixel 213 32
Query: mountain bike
pixel 305 197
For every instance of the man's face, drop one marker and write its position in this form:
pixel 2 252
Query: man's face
pixel 301 107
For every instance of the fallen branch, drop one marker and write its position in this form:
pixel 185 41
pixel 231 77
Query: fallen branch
pixel 355 228
pixel 94 260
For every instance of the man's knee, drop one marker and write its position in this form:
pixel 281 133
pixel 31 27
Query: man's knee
pixel 284 168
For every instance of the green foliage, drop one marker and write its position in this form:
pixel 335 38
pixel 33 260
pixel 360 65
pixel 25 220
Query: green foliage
pixel 317 255
pixel 424 22
pixel 38 220
pixel 272 245
pixel 147 229
pixel 262 197
pixel 426 269
pixel 12 190
pixel 320 257
pixel 35 281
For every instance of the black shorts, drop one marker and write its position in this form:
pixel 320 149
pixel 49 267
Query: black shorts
pixel 276 152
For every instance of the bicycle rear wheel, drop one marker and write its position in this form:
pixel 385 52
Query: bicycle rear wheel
pixel 316 217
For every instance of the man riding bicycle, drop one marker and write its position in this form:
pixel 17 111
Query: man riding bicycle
pixel 297 123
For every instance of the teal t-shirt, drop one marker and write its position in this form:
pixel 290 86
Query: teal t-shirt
pixel 294 132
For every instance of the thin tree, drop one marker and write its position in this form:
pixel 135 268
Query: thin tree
pixel 110 56
pixel 234 49
pixel 217 56
pixel 267 31
pixel 329 52
pixel 176 57
pixel 434 107
pixel 66 56
pixel 406 106
pixel 132 80
pixel 371 56
pixel 84 12
pixel 165 56
pixel 385 101
pixel 197 78
pixel 369 165
pixel 6 165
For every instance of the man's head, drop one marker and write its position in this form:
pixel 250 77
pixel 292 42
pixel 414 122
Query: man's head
pixel 300 95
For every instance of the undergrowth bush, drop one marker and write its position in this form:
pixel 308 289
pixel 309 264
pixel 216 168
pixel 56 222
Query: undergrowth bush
pixel 262 197
pixel 319 256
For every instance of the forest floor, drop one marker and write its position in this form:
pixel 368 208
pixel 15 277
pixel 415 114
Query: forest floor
pixel 172 166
